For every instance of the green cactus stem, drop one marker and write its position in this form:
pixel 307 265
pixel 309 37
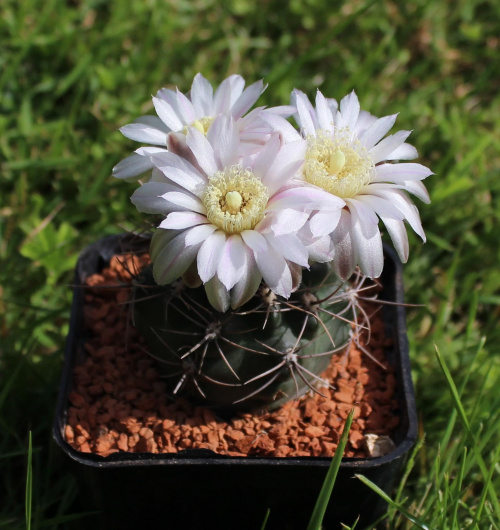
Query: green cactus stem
pixel 258 356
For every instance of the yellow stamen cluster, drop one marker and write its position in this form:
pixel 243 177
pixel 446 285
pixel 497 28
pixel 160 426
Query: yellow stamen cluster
pixel 235 199
pixel 203 124
pixel 340 165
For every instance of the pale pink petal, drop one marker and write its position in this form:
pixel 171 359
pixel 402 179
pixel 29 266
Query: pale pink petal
pixel 380 206
pixel 324 222
pixel 217 295
pixel 227 93
pixel 367 250
pixel 290 247
pixel 183 220
pixel 185 201
pixel 377 131
pixel 384 149
pixel 324 113
pixel 399 173
pixel 344 261
pixel 181 172
pixel 199 234
pixel 153 122
pixel 232 262
pixel 279 124
pixel 149 151
pixel 168 115
pixel 203 151
pixel 173 260
pixel 139 132
pixel 266 156
pixel 321 249
pixel 368 218
pixel 275 271
pixel 365 120
pixel 279 175
pixel 249 96
pixel 209 255
pixel 257 242
pixel 305 118
pixel 248 284
pixel 305 197
pixel 287 221
pixel 403 204
pixel 132 167
pixel 349 108
pixel 186 108
pixel 160 239
pixel 403 152
pixel 397 231
pixel 202 96
pixel 223 136
pixel 419 190
pixel 148 198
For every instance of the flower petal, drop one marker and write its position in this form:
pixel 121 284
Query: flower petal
pixel 324 222
pixel 199 234
pixel 217 295
pixel 287 221
pixel 248 284
pixel 202 150
pixel 232 262
pixel 186 108
pixel 290 247
pixel 249 96
pixel 397 231
pixel 275 271
pixel 386 148
pixel 224 138
pixel 168 115
pixel 254 240
pixel 349 108
pixel 367 249
pixel 279 124
pixel 174 259
pixel 148 198
pixel 183 220
pixel 209 255
pixel 344 262
pixel 139 132
pixel 377 131
pixel 202 96
pixel 305 113
pixel 185 201
pixel 399 173
pixel 324 113
pixel 132 167
pixel 181 172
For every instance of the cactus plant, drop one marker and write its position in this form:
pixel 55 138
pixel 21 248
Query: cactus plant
pixel 248 295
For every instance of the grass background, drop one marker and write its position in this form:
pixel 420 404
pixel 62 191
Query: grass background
pixel 73 72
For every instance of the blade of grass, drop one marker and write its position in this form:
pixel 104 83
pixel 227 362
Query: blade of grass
pixel 29 484
pixel 326 490
pixel 487 485
pixel 465 422
pixel 417 522
pixel 458 488
pixel 266 517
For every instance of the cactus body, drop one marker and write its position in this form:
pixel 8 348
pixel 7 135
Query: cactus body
pixel 258 356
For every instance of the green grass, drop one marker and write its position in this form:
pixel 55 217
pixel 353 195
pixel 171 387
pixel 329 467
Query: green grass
pixel 72 73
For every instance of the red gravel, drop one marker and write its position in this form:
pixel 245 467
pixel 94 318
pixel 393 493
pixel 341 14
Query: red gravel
pixel 119 403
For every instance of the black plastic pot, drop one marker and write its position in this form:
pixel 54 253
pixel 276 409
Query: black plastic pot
pixel 197 489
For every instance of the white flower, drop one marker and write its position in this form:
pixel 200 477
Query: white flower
pixel 176 112
pixel 348 157
pixel 237 217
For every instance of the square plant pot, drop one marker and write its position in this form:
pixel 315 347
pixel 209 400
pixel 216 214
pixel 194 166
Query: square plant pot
pixel 201 489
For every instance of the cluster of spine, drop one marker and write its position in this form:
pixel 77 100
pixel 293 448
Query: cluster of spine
pixel 257 356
